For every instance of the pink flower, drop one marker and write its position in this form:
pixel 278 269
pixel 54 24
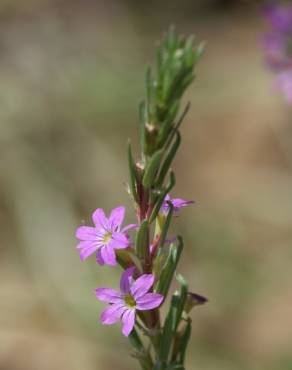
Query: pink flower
pixel 279 16
pixel 283 83
pixel 104 237
pixel 132 297
pixel 177 203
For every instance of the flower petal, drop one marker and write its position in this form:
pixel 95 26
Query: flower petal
pixel 279 16
pixel 179 203
pixel 128 320
pixel 108 255
pixel 112 314
pixel 284 83
pixel 149 301
pixel 142 285
pixel 86 233
pixel 99 218
pixel 86 249
pixel 116 218
pixel 129 227
pixel 119 241
pixel 99 258
pixel 108 295
pixel 126 279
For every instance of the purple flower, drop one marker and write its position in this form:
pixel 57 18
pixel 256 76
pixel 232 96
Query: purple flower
pixel 176 202
pixel 132 297
pixel 280 17
pixel 278 46
pixel 283 83
pixel 194 299
pixel 276 53
pixel 104 237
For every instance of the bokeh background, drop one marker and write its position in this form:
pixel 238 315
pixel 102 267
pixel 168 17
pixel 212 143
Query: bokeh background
pixel 71 78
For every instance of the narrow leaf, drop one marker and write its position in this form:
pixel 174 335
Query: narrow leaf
pixel 151 170
pixel 168 160
pixel 161 197
pixel 133 173
pixel 168 331
pixel 182 297
pixel 183 342
pixel 142 241
pixel 169 267
pixel 142 122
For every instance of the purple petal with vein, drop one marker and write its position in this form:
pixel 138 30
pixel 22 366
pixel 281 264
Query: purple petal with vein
pixel 119 241
pixel 108 255
pixel 116 217
pixel 99 258
pixel 128 320
pixel 129 227
pixel 86 249
pixel 108 295
pixel 112 314
pixel 126 279
pixel 86 233
pixel 142 285
pixel 99 218
pixel 149 301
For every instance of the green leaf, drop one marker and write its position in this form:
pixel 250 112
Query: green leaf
pixel 199 52
pixel 136 261
pixel 123 257
pixel 168 331
pixel 169 267
pixel 133 173
pixel 182 297
pixel 142 122
pixel 142 355
pixel 184 341
pixel 152 169
pixel 142 241
pixel 168 123
pixel 149 95
pixel 168 160
pixel 135 340
pixel 175 367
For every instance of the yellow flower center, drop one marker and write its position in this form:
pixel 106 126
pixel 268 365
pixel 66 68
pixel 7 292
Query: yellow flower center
pixel 130 301
pixel 107 237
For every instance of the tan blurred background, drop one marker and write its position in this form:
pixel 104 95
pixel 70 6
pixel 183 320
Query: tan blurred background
pixel 71 77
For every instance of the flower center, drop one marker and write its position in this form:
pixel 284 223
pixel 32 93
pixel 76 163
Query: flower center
pixel 130 301
pixel 107 237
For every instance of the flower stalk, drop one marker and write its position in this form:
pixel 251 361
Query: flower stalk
pixel 151 261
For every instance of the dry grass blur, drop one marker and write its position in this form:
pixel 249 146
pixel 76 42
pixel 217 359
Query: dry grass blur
pixel 70 81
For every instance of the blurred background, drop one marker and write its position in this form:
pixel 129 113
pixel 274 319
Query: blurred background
pixel 71 78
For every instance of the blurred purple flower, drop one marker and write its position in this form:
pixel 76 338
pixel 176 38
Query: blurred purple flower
pixel 278 46
pixel 132 297
pixel 104 237
pixel 283 83
pixel 177 203
pixel 279 16
pixel 276 55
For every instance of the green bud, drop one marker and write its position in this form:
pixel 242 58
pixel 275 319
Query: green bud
pixel 193 300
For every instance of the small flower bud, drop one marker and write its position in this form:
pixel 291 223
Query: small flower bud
pixel 193 300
